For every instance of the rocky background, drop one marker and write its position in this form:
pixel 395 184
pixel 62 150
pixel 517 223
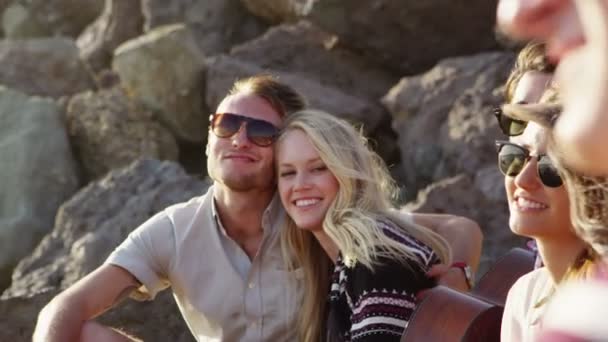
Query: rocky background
pixel 104 109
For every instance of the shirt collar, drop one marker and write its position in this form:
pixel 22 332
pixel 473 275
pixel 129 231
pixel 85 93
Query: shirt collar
pixel 271 217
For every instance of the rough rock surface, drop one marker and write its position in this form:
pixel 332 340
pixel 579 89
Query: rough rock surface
pixel 304 49
pixel 38 174
pixel 43 18
pixel 163 69
pixel 277 11
pixel 443 117
pixel 45 67
pixel 97 219
pixel 120 21
pixel 409 36
pixel 109 131
pixel 216 25
pixel 158 320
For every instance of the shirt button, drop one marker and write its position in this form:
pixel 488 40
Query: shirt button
pixel 251 285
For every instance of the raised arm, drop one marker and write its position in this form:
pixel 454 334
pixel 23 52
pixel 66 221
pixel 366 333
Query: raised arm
pixel 62 319
pixel 465 238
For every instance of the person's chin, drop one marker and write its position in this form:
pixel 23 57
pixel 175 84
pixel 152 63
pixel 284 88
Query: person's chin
pixel 528 228
pixel 309 225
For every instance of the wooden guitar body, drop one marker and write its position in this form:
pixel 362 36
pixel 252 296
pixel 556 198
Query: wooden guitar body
pixel 495 284
pixel 446 315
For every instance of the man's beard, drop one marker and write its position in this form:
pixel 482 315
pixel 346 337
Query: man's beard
pixel 261 180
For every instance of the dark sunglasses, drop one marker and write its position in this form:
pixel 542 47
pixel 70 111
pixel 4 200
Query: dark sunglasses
pixel 512 158
pixel 259 132
pixel 509 126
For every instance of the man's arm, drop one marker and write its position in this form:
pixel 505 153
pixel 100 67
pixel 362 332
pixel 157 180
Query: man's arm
pixel 62 318
pixel 465 238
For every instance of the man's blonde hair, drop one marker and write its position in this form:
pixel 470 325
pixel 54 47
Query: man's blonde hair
pixel 282 97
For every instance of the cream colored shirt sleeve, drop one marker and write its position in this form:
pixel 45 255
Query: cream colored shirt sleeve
pixel 147 254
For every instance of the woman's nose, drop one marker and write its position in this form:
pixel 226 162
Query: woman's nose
pixel 301 182
pixel 528 177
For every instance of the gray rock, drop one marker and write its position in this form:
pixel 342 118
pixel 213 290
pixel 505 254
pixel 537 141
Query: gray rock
pixel 278 11
pixel 38 174
pixel 409 36
pixel 110 130
pixel 45 67
pixel 19 315
pixel 97 219
pixel 43 18
pixel 163 69
pixel 444 120
pixel 120 21
pixel 158 320
pixel 303 49
pixel 463 195
pixel 216 25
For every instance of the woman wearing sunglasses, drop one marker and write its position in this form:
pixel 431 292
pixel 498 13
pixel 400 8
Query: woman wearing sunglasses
pixel 538 200
pixel 577 313
pixel 344 234
pixel 539 208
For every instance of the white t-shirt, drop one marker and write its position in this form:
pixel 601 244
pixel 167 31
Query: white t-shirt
pixel 521 321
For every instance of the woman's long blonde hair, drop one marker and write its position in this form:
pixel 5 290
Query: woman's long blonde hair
pixel 365 196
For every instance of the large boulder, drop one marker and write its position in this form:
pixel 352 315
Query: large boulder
pixel 43 18
pixel 408 36
pixel 19 315
pixel 88 227
pixel 158 320
pixel 480 197
pixel 120 21
pixel 216 24
pixel 163 69
pixel 38 174
pixel 97 219
pixel 304 49
pixel 109 131
pixel 278 11
pixel 45 67
pixel 443 117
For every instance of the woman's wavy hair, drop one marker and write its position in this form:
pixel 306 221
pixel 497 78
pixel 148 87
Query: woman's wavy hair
pixel 532 57
pixel 365 196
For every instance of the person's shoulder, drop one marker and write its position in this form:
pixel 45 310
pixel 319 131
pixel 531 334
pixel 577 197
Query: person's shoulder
pixel 530 282
pixel 533 277
pixel 399 234
pixel 191 204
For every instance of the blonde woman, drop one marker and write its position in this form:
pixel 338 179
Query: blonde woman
pixel 539 208
pixel 589 215
pixel 538 200
pixel 343 232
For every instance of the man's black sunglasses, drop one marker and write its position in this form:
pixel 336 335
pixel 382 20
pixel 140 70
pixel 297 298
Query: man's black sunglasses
pixel 260 132
pixel 510 127
pixel 512 158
